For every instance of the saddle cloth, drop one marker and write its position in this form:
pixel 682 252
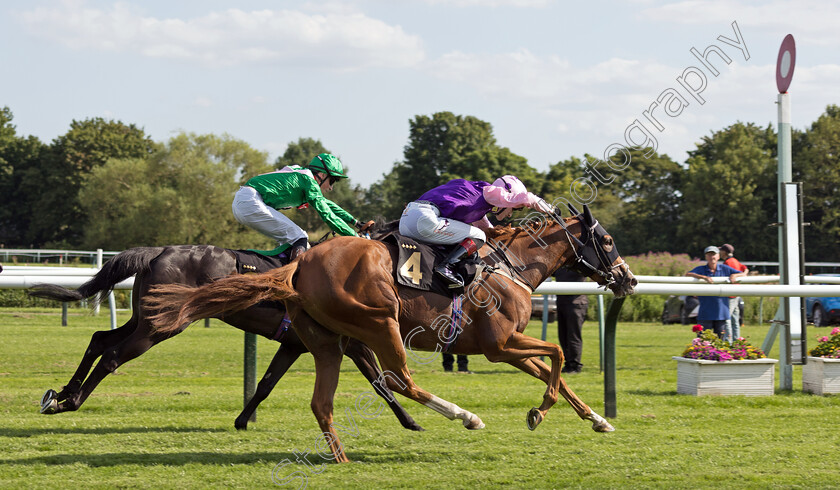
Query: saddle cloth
pixel 251 261
pixel 415 266
pixel 254 262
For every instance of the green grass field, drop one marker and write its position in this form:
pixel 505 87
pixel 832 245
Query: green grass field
pixel 165 420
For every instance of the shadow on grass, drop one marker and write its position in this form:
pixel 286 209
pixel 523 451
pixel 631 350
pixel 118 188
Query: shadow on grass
pixel 216 458
pixel 153 459
pixel 652 392
pixel 101 430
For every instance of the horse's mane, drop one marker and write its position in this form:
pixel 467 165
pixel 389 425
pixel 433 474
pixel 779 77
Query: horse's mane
pixel 500 232
pixel 382 228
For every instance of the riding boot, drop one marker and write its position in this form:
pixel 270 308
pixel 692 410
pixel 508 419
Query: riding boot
pixel 445 268
pixel 298 248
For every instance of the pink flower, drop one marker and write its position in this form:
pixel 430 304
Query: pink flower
pixel 699 328
pixel 835 331
pixel 822 339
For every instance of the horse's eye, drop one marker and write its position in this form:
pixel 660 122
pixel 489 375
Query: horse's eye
pixel 608 244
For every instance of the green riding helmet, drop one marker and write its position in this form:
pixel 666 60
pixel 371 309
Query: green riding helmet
pixel 329 164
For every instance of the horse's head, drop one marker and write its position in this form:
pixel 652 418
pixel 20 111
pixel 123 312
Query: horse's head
pixel 596 256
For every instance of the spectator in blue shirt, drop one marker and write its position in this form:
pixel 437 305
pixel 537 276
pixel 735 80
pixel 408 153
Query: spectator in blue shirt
pixel 714 310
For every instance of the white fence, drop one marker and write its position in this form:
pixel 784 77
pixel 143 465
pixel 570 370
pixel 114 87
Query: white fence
pixel 23 277
pixel 38 255
pixel 822 286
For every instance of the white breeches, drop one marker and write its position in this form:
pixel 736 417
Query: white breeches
pixel 250 210
pixel 422 221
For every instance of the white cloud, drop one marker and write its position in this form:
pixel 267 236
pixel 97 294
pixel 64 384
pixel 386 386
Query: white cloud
pixel 335 39
pixel 493 3
pixel 522 74
pixel 812 21
pixel 598 101
pixel 203 102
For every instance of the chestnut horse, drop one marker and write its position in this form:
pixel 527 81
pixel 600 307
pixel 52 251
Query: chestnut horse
pixel 182 264
pixel 346 288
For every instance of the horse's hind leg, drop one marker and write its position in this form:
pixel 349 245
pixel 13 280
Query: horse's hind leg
pixel 99 342
pixel 326 350
pixel 286 355
pixel 385 341
pixel 364 359
pixel 113 357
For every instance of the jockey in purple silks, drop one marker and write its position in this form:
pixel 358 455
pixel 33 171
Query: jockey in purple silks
pixel 455 212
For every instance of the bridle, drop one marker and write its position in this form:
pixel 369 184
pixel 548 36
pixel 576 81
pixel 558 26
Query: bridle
pixel 589 249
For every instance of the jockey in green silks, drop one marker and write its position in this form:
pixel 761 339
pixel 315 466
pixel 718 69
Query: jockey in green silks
pixel 256 203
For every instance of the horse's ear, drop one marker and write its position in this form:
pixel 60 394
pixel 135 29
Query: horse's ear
pixel 587 215
pixel 573 210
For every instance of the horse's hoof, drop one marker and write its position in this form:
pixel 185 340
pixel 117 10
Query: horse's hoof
pixel 241 422
pixel 604 427
pixel 600 424
pixel 533 418
pixel 473 423
pixel 49 402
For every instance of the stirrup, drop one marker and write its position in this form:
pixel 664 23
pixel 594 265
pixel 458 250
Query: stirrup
pixel 455 280
pixel 295 252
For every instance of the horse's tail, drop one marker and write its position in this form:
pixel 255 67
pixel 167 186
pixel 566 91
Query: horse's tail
pixel 179 305
pixel 119 268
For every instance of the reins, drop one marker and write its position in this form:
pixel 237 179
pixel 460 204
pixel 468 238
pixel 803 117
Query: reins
pixel 580 264
pixel 580 260
pixel 514 274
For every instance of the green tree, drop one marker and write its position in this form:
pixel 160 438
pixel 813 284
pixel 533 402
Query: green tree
pixel 18 158
pixel 300 152
pixel 7 183
pixel 816 163
pixel 556 188
pixel 180 194
pixel 380 199
pixel 647 190
pixel 729 193
pixel 444 147
pixel 53 185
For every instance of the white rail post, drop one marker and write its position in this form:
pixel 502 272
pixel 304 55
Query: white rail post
pixel 98 266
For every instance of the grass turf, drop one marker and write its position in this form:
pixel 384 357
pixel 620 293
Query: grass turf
pixel 165 420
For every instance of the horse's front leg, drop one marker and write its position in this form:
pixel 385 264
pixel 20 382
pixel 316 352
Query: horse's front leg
pixel 521 352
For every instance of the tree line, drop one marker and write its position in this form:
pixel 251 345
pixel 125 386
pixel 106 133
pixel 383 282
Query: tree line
pixel 106 184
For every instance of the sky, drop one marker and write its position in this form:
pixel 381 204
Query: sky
pixel 555 79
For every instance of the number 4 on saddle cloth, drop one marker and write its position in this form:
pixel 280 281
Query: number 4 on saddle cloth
pixel 416 262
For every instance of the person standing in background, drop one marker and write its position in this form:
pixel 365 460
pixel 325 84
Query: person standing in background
pixel 733 329
pixel 714 310
pixel 571 313
pixel 449 360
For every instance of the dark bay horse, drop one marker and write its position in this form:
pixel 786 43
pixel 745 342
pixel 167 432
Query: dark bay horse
pixel 191 265
pixel 345 288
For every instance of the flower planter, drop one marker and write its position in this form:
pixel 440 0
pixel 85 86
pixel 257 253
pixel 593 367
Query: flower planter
pixel 752 377
pixel 821 375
